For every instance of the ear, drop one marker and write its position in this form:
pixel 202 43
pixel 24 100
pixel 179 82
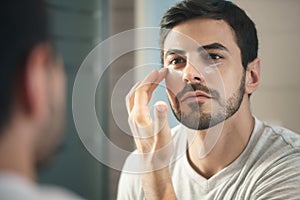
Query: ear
pixel 34 80
pixel 252 76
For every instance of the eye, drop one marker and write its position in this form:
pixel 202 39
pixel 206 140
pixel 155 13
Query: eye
pixel 214 56
pixel 176 61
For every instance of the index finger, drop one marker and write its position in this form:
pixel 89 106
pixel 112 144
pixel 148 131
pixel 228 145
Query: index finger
pixel 130 97
pixel 144 91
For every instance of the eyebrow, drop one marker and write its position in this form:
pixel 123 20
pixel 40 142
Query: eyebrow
pixel 216 46
pixel 175 51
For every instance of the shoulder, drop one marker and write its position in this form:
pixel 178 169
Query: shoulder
pixel 280 179
pixel 275 140
pixel 13 186
pixel 282 146
pixel 277 161
pixel 287 136
pixel 50 192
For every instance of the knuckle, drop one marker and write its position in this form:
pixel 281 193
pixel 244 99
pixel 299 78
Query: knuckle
pixel 141 119
pixel 142 116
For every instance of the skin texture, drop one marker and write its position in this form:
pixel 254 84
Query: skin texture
pixel 210 104
pixel 205 32
pixel 236 85
pixel 151 136
pixel 33 134
pixel 224 101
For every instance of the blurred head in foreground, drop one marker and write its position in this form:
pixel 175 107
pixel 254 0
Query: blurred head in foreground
pixel 32 89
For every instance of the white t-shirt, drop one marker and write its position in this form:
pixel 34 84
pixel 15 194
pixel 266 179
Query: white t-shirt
pixel 268 168
pixel 15 187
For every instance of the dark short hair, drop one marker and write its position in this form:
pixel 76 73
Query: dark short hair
pixel 23 25
pixel 242 25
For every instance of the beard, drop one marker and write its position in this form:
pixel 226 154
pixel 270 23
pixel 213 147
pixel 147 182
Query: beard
pixel 192 115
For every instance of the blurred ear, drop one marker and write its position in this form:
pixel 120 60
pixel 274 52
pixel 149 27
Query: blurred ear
pixel 35 80
pixel 252 76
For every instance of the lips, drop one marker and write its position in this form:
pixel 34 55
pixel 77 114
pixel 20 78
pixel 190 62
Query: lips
pixel 195 95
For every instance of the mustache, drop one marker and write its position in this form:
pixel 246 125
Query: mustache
pixel 198 86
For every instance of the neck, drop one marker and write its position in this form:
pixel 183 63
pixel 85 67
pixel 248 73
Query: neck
pixel 208 157
pixel 15 156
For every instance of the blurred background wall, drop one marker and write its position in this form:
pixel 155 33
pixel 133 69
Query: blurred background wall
pixel 79 25
pixel 277 99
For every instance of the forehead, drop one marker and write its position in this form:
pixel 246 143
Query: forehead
pixel 201 32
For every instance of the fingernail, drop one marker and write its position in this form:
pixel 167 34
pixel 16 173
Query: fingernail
pixel 160 108
pixel 165 70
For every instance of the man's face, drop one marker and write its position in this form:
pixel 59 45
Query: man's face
pixel 51 131
pixel 206 79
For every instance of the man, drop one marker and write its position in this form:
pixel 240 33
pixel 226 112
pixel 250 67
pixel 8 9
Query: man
pixel 219 151
pixel 32 101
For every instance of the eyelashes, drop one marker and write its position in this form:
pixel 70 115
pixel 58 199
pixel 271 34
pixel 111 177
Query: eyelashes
pixel 207 58
pixel 214 56
pixel 177 61
pixel 210 62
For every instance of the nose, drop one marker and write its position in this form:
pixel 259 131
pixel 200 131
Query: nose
pixel 192 75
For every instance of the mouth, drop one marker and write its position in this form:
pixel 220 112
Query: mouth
pixel 195 96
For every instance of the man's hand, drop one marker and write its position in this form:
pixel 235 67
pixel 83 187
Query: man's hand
pixel 152 137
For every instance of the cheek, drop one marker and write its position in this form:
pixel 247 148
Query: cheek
pixel 232 82
pixel 172 99
pixel 174 81
pixel 59 85
pixel 174 85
